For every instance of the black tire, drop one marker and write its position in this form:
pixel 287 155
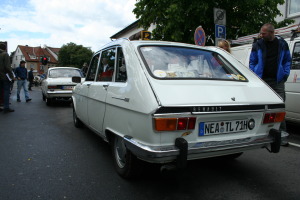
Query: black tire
pixel 49 101
pixel 126 164
pixel 76 120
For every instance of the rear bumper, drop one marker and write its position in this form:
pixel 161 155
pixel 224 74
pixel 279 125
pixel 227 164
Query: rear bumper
pixel 57 94
pixel 165 154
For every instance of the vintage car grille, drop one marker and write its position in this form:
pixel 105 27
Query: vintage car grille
pixel 213 109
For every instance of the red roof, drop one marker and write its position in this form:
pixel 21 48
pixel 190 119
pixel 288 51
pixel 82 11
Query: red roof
pixel 38 52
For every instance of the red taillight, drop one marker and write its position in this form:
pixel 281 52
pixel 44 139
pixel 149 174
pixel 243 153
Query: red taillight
pixel 192 123
pixel 182 123
pixel 51 86
pixel 173 124
pixel 273 117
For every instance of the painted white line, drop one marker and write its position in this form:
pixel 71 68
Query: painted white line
pixel 293 144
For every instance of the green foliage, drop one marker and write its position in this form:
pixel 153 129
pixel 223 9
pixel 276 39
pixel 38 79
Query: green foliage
pixel 73 55
pixel 176 20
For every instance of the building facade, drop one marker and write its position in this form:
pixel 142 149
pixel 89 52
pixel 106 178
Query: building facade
pixel 33 55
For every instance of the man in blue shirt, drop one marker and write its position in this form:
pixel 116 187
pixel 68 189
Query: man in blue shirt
pixel 21 75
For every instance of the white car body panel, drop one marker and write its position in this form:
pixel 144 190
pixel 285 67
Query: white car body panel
pixel 127 109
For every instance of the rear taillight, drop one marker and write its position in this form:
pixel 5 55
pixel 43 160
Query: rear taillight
pixel 273 117
pixel 174 124
pixel 52 86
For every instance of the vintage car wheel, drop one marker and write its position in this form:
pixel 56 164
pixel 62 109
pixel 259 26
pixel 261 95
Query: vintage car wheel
pixel 77 122
pixel 49 101
pixel 125 162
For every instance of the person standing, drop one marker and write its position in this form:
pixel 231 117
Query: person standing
pixel 21 75
pixel 30 78
pixel 6 76
pixel 270 59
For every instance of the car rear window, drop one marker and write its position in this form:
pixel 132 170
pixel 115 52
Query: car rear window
pixel 61 73
pixel 170 62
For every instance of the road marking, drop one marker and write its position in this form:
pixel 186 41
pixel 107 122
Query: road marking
pixel 293 144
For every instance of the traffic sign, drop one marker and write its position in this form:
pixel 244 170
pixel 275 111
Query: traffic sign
pixel 199 36
pixel 219 16
pixel 220 31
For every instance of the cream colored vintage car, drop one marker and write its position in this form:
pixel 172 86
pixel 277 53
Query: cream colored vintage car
pixel 58 84
pixel 164 102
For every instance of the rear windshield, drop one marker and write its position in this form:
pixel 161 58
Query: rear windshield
pixel 169 62
pixel 61 73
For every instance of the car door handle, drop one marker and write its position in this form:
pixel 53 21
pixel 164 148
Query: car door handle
pixel 105 87
pixel 88 85
pixel 123 99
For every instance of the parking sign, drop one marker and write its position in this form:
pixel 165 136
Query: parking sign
pixel 220 31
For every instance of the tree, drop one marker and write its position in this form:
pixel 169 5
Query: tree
pixel 176 20
pixel 74 55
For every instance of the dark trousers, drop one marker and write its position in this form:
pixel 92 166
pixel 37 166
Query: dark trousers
pixel 5 87
pixel 30 84
pixel 279 88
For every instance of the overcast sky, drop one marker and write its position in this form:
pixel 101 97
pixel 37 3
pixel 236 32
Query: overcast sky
pixel 56 22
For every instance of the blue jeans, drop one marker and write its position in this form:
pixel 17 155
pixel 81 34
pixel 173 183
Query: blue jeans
pixel 20 84
pixel 5 86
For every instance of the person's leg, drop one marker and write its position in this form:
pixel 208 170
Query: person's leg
pixel 25 90
pixel 6 87
pixel 279 88
pixel 29 85
pixel 19 84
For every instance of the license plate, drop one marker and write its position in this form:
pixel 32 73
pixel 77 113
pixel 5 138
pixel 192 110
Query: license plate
pixel 67 87
pixel 210 128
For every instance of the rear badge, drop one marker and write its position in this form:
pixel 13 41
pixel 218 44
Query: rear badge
pixel 233 98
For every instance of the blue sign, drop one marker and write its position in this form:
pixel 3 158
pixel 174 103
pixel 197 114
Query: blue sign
pixel 220 31
pixel 199 36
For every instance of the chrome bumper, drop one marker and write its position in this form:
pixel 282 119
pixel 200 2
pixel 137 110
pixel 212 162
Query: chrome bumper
pixel 165 154
pixel 66 93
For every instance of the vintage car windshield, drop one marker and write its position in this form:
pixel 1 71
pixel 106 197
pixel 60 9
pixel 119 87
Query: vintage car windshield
pixel 64 73
pixel 167 62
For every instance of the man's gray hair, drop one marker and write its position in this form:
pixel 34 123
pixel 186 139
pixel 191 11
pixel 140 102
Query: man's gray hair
pixel 269 27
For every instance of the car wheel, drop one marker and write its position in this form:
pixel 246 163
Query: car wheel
pixel 125 162
pixel 77 122
pixel 49 101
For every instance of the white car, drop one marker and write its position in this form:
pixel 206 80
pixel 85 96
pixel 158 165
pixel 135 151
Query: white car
pixel 58 84
pixel 165 102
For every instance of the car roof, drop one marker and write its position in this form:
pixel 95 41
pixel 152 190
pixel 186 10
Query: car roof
pixel 154 42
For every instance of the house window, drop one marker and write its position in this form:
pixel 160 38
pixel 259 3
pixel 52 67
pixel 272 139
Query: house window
pixel 32 56
pixel 293 8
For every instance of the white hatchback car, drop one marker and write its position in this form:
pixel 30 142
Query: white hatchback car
pixel 165 102
pixel 58 84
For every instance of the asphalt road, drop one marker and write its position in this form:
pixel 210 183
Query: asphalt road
pixel 43 156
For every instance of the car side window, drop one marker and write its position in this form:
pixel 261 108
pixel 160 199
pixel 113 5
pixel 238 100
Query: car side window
pixel 107 65
pixel 296 57
pixel 121 72
pixel 93 68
